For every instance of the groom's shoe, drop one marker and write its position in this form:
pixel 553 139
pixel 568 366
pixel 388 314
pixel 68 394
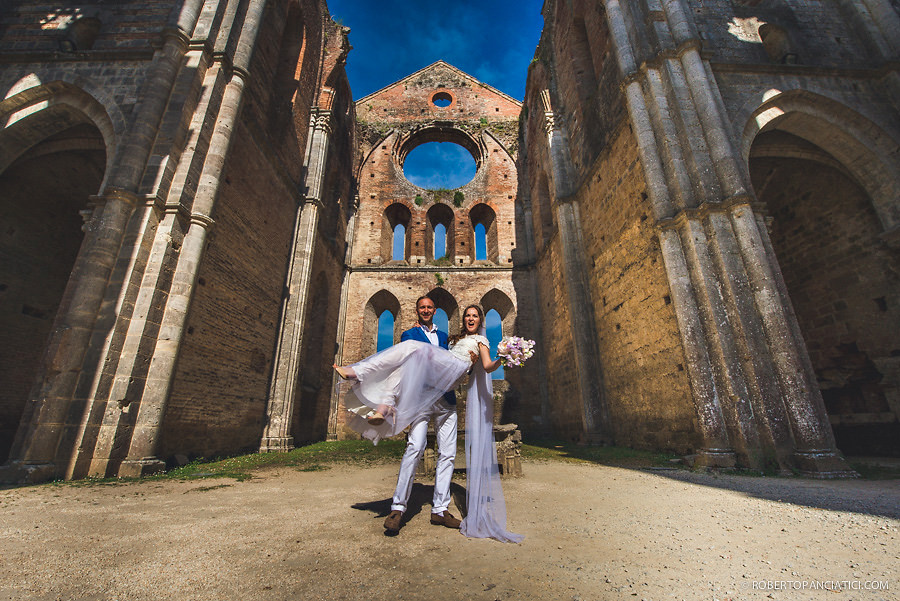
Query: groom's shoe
pixel 392 521
pixel 445 518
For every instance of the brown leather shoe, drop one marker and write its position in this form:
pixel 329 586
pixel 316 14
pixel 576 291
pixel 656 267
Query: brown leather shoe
pixel 445 519
pixel 392 521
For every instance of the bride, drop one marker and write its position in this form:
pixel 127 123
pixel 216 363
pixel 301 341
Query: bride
pixel 400 383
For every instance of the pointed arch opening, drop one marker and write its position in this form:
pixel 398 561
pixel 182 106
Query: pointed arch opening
pixel 56 161
pixel 373 316
pixel 440 233
pixel 446 302
pixel 484 233
pixel 395 233
pixel 827 232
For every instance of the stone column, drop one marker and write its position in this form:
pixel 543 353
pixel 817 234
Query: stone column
pixel 282 392
pixel 747 364
pixel 45 440
pixel 336 396
pixel 595 415
pixel 141 458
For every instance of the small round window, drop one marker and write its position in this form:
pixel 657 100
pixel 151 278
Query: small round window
pixel 442 99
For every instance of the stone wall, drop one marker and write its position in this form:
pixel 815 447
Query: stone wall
pixel 392 122
pixel 219 395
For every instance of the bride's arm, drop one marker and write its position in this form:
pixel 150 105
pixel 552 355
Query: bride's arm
pixel 486 362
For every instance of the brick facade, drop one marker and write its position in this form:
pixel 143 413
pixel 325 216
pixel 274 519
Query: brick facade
pixel 693 211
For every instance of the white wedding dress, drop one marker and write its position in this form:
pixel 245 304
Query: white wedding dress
pixel 409 378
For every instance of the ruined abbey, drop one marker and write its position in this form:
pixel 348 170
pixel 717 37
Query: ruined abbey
pixel 695 212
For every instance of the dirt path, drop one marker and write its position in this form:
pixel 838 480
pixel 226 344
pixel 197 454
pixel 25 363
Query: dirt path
pixel 592 532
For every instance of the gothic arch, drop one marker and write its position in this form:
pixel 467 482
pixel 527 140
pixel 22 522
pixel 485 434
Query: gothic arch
pixel 483 214
pixel 867 152
pixel 501 303
pixel 53 158
pixel 394 215
pixel 33 111
pixel 439 214
pixel 827 231
pixel 446 301
pixel 380 302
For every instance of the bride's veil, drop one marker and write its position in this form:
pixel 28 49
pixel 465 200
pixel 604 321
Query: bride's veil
pixel 486 508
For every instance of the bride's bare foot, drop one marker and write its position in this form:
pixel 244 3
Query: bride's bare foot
pixel 345 372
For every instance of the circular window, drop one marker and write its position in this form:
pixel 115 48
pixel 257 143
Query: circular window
pixel 439 165
pixel 441 99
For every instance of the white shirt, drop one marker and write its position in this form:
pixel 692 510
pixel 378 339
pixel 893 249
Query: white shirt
pixel 431 334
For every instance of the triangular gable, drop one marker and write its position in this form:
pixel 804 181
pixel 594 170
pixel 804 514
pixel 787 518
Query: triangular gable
pixel 440 63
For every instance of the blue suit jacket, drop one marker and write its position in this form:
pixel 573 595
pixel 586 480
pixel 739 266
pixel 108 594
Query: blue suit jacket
pixel 417 333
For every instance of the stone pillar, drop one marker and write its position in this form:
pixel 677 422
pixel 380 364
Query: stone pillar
pixel 144 445
pixel 336 398
pixel 595 415
pixel 282 392
pixel 747 365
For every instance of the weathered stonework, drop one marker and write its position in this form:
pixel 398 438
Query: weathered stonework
pixel 392 122
pixel 677 118
pixel 195 132
pixel 694 212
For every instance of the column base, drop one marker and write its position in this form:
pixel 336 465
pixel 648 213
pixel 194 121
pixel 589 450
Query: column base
pixel 276 445
pixel 825 464
pixel 131 468
pixel 19 472
pixel 715 458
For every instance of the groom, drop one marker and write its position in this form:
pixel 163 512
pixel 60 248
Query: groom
pixel 444 414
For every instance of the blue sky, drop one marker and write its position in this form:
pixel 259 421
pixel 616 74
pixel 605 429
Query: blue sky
pixel 492 41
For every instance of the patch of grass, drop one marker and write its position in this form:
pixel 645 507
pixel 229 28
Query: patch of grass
pixel 875 471
pixel 555 450
pixel 318 467
pixel 207 488
pixel 314 457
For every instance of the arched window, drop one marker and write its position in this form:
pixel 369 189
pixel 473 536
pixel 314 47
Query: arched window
pixel 395 222
pixel 483 215
pixel 398 252
pixel 446 309
pixel 382 308
pixel 480 242
pixel 494 326
pixel 439 233
pixel 385 330
pixel 442 321
pixel 440 241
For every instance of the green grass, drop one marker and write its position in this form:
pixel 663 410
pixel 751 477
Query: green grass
pixel 555 450
pixel 870 471
pixel 312 458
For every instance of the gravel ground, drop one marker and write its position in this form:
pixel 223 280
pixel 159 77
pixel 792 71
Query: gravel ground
pixel 592 532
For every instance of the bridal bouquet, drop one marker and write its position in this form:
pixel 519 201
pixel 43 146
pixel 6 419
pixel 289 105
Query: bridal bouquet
pixel 513 351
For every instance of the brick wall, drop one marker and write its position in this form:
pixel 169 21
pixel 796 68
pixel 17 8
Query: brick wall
pixel 640 347
pixel 218 400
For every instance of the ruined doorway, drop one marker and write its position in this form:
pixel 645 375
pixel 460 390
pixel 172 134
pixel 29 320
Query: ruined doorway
pixel 41 196
pixel 843 281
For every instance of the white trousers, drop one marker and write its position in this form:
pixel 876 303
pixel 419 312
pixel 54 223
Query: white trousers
pixel 445 421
